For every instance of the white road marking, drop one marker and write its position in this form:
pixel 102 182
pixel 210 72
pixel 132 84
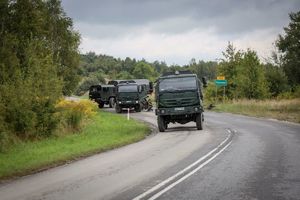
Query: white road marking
pixel 188 175
pixel 163 183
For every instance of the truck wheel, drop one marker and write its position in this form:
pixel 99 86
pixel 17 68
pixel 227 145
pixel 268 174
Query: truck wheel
pixel 101 104
pixel 111 102
pixel 161 124
pixel 118 109
pixel 199 121
pixel 138 108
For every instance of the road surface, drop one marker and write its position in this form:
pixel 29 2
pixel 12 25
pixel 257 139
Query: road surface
pixel 234 157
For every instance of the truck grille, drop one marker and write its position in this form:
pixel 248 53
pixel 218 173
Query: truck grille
pixel 179 102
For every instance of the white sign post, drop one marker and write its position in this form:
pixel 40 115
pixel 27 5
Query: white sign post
pixel 128 111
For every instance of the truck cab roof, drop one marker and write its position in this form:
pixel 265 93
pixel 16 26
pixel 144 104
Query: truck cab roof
pixel 177 74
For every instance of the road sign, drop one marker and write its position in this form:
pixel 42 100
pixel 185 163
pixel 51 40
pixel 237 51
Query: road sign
pixel 220 77
pixel 221 82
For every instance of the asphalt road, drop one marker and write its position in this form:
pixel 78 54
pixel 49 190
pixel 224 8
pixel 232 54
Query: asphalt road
pixel 234 157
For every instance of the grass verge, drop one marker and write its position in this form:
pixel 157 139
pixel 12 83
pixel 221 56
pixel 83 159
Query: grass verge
pixel 106 131
pixel 287 110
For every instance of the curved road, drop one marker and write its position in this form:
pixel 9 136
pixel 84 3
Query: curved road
pixel 234 157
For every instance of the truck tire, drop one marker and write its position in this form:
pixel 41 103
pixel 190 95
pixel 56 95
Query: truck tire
pixel 111 102
pixel 118 109
pixel 100 104
pixel 138 108
pixel 199 121
pixel 161 124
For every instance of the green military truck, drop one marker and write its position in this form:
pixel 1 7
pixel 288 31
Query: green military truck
pixel 131 95
pixel 103 95
pixel 179 99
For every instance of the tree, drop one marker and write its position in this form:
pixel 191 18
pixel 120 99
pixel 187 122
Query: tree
pixel 251 82
pixel 144 70
pixel 202 68
pixel 228 67
pixel 124 75
pixel 64 42
pixel 289 45
pixel 160 67
pixel 244 73
pixel 276 79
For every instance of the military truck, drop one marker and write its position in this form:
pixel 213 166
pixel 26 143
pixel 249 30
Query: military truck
pixel 179 99
pixel 131 95
pixel 103 95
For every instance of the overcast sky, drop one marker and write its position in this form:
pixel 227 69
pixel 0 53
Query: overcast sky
pixel 175 31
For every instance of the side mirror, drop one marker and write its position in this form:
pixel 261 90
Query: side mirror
pixel 204 81
pixel 139 88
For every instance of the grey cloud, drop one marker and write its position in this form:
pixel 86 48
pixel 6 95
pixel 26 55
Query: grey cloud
pixel 176 16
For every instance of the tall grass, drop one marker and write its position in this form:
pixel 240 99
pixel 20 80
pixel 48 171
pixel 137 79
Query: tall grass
pixel 288 110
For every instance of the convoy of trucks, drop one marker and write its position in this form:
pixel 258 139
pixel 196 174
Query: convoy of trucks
pixel 179 97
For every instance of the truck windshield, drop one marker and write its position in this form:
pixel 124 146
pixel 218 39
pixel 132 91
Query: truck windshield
pixel 128 88
pixel 177 84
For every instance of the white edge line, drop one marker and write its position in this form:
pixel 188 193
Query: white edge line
pixel 188 175
pixel 179 173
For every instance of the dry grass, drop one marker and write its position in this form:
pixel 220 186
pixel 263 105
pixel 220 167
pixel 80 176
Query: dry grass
pixel 287 110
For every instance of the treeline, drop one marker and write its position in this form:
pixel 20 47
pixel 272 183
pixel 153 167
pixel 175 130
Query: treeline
pixel 39 62
pixel 95 69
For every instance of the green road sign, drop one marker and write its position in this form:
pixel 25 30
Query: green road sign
pixel 221 82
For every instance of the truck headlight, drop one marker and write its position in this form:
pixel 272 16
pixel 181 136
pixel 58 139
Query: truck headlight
pixel 196 108
pixel 120 102
pixel 162 111
pixel 136 101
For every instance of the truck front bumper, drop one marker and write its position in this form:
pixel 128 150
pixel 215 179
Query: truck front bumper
pixel 128 104
pixel 179 110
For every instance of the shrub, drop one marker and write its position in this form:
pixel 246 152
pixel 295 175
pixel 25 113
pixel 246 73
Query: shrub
pixel 73 113
pixel 290 94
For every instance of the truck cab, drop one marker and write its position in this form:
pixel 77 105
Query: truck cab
pixel 179 99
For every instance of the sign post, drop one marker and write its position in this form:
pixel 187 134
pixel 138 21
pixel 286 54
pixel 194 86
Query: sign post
pixel 220 77
pixel 221 81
